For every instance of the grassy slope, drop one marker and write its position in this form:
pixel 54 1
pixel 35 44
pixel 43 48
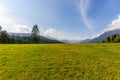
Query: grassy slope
pixel 60 62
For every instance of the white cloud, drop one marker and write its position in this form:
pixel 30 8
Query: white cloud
pixel 115 24
pixel 9 24
pixel 84 6
pixel 22 28
pixel 51 32
pixel 2 9
pixel 96 35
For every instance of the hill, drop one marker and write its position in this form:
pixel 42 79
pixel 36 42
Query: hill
pixel 25 38
pixel 105 35
pixel 112 39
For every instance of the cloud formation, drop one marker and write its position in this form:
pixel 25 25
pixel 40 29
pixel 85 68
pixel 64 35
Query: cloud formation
pixel 84 6
pixel 51 32
pixel 115 24
pixel 9 24
pixel 13 26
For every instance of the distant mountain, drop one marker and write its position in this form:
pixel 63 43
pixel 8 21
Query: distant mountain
pixel 42 38
pixel 47 40
pixel 112 39
pixel 71 41
pixel 65 41
pixel 105 35
pixel 85 41
pixel 20 34
pixel 52 40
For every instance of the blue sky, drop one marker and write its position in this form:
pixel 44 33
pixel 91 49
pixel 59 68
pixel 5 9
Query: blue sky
pixel 61 19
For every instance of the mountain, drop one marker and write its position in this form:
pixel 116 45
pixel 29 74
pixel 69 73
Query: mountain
pixel 112 39
pixel 85 41
pixel 65 41
pixel 19 37
pixel 52 40
pixel 71 41
pixel 47 40
pixel 105 35
pixel 20 34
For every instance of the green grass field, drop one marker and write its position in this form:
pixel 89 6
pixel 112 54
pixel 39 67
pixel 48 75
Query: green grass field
pixel 60 62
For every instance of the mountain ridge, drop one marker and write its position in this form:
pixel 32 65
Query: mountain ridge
pixel 42 38
pixel 104 36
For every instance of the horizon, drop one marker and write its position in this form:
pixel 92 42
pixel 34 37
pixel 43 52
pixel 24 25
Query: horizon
pixel 63 19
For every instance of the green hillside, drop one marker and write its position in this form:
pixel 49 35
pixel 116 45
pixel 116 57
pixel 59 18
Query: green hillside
pixel 60 62
pixel 112 39
pixel 28 40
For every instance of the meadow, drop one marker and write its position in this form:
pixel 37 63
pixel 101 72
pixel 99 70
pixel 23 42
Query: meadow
pixel 60 61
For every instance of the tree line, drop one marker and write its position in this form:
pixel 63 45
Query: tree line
pixel 5 38
pixel 112 39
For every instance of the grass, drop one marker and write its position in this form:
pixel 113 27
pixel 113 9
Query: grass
pixel 60 62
